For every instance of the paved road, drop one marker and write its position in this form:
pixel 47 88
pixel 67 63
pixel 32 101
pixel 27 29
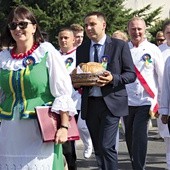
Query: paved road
pixel 155 156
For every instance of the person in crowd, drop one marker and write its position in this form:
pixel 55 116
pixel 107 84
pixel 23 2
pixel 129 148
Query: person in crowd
pixel 78 31
pixel 45 35
pixel 165 47
pixel 164 125
pixel 68 50
pixel 160 39
pixel 32 74
pixel 66 42
pixel 120 35
pixel 143 94
pixel 164 111
pixel 99 103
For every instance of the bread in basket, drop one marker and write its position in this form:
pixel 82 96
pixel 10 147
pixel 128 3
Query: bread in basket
pixel 88 75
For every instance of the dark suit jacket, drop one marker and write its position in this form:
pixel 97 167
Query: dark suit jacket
pixel 121 67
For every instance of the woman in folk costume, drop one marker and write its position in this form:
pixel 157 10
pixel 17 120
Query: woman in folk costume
pixel 164 110
pixel 32 74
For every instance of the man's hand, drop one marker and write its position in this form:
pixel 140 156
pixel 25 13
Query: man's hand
pixel 164 119
pixel 156 114
pixel 104 79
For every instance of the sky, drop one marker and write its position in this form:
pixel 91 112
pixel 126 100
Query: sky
pixel 138 4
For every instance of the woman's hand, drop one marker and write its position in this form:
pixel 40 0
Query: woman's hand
pixel 61 135
pixel 104 79
pixel 62 132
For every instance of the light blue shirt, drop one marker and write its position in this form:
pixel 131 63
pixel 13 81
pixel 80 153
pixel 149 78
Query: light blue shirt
pixel 96 91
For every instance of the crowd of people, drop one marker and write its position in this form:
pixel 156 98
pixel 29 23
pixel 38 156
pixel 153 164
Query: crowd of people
pixel 33 73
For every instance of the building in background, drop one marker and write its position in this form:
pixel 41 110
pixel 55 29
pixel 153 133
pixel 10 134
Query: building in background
pixel 138 4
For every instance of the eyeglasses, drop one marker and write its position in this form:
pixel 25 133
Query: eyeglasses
pixel 160 40
pixel 22 25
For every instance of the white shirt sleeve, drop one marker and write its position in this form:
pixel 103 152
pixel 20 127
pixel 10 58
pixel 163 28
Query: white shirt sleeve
pixel 165 91
pixel 60 83
pixel 159 68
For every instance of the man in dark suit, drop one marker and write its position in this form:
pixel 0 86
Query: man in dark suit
pixel 104 104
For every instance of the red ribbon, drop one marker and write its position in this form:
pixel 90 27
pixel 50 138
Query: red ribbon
pixel 146 87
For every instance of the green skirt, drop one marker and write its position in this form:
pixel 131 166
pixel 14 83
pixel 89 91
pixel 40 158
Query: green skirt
pixel 58 163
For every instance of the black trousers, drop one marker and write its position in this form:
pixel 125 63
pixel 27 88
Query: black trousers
pixel 136 134
pixel 70 152
pixel 169 124
pixel 103 126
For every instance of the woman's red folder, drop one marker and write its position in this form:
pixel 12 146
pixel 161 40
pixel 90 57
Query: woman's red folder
pixel 49 122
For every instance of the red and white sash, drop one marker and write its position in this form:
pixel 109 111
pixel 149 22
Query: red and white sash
pixel 154 105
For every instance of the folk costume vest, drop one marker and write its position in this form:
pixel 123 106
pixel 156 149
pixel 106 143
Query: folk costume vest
pixel 26 88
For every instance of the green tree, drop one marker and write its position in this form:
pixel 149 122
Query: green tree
pixel 54 14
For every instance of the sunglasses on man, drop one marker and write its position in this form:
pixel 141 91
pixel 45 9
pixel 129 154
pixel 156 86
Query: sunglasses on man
pixel 22 25
pixel 161 40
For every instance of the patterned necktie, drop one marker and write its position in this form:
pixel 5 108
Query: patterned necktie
pixel 96 48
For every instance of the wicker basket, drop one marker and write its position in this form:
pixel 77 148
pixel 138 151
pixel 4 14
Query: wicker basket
pixel 84 79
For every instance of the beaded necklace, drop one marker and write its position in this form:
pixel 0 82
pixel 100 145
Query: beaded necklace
pixel 23 55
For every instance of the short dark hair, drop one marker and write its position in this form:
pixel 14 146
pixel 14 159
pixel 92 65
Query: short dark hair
pixel 97 13
pixel 65 29
pixel 165 24
pixel 20 12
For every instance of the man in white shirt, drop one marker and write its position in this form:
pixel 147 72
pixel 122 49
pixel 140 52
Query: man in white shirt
pixel 68 51
pixel 142 96
pixel 164 109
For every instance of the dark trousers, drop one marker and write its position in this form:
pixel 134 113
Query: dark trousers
pixel 169 123
pixel 136 134
pixel 70 153
pixel 103 128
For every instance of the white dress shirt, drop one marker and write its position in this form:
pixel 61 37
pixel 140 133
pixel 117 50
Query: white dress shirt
pixel 165 49
pixel 164 107
pixel 152 72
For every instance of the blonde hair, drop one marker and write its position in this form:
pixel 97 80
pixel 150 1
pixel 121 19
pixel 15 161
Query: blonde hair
pixel 76 27
pixel 159 34
pixel 120 35
pixel 134 19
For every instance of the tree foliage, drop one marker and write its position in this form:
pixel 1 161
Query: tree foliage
pixel 54 14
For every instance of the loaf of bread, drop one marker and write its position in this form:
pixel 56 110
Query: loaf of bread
pixel 89 75
pixel 91 67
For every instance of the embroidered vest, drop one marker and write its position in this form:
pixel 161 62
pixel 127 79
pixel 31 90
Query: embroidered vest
pixel 27 88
